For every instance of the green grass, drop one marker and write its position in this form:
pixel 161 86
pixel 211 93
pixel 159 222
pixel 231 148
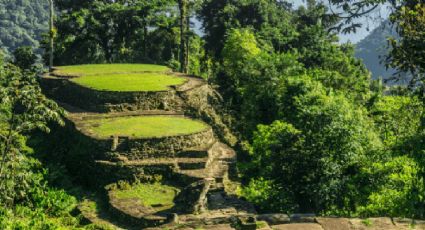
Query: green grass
pixel 261 224
pixel 130 82
pixel 150 194
pixel 367 222
pixel 121 77
pixel 144 126
pixel 99 69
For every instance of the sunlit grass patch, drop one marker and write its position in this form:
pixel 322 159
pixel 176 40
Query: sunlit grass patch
pixel 144 126
pixel 130 82
pixel 150 195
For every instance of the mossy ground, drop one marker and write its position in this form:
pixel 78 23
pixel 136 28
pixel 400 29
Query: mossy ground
pixel 150 195
pixel 144 126
pixel 136 82
pixel 121 77
pixel 99 69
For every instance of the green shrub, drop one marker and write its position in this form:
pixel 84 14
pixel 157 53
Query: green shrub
pixel 397 188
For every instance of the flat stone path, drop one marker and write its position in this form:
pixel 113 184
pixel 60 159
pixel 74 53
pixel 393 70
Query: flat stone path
pixel 324 223
pixel 334 223
pixel 306 226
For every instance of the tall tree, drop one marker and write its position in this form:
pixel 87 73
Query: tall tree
pixel 184 54
pixel 118 31
pixel 407 54
pixel 51 33
pixel 269 18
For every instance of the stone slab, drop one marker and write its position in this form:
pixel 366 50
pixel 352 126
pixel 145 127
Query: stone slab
pixel 334 223
pixel 304 226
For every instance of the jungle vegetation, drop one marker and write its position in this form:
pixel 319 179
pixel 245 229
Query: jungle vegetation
pixel 316 133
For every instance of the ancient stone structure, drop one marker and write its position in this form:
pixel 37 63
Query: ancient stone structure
pixel 197 163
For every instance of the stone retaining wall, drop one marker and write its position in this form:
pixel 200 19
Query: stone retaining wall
pixel 205 103
pixel 141 221
pixel 109 101
pixel 156 147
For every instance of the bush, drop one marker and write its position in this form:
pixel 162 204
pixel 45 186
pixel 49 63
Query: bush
pixel 313 156
pixel 397 188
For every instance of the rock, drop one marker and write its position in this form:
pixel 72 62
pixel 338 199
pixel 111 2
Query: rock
pixel 306 226
pixel 193 197
pixel 274 219
pixel 173 218
pixel 247 223
pixel 303 218
pixel 218 227
pixel 334 223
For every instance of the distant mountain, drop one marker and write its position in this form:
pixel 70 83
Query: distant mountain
pixel 22 22
pixel 374 48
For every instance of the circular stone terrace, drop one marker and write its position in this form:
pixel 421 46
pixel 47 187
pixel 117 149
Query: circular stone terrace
pixel 143 202
pixel 119 87
pixel 138 135
pixel 121 77
pixel 147 126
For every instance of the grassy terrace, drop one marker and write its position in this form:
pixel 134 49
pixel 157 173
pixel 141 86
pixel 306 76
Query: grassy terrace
pixel 129 82
pixel 121 77
pixel 100 69
pixel 143 126
pixel 150 195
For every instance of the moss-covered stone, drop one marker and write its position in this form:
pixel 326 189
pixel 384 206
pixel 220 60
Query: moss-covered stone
pixel 71 93
pixel 143 203
pixel 140 148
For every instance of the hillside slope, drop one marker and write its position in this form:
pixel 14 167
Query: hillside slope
pixel 373 48
pixel 22 23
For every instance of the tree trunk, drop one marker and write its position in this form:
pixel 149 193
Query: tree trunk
pixel 51 35
pixel 145 40
pixel 183 35
pixel 187 56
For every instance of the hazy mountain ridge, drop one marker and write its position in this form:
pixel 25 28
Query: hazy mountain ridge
pixel 22 22
pixel 374 48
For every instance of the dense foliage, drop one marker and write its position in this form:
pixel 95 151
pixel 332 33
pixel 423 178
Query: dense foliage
pixel 407 54
pixel 27 200
pixel 22 23
pixel 320 136
pixel 124 31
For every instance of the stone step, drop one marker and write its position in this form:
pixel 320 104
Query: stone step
pixel 185 163
pixel 201 173
pixel 195 173
pixel 201 151
pixel 193 153
pixel 192 164
pixel 222 152
pixel 217 187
